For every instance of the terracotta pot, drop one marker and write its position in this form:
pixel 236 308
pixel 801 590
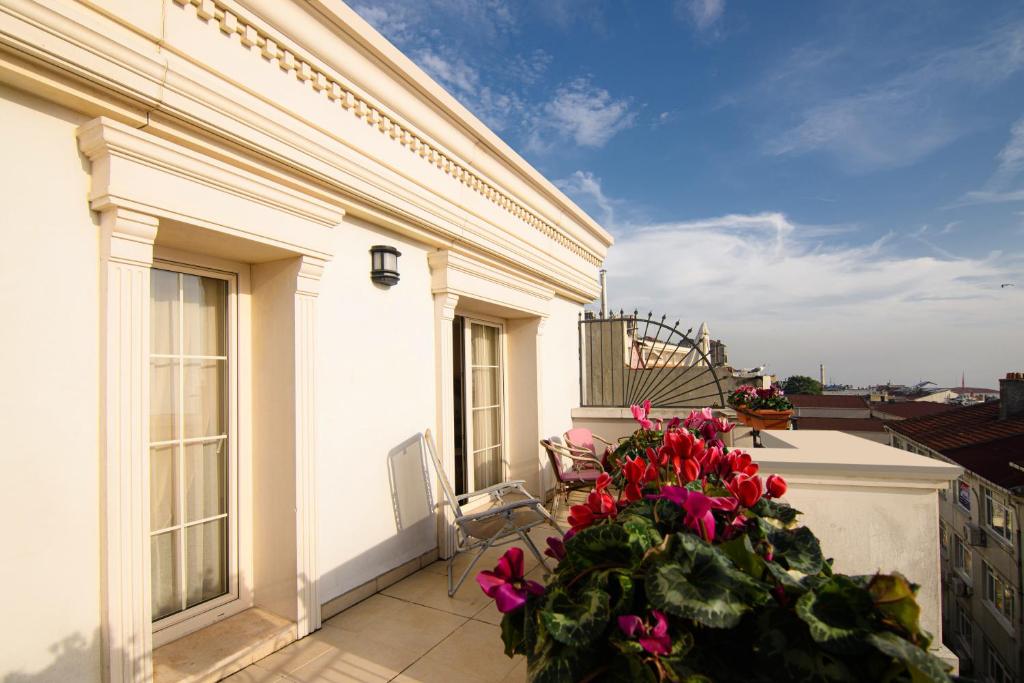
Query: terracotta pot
pixel 764 419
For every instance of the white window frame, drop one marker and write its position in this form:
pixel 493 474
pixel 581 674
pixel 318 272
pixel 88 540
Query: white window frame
pixel 992 658
pixel 467 330
pixel 964 629
pixel 239 596
pixel 962 558
pixel 993 584
pixel 989 502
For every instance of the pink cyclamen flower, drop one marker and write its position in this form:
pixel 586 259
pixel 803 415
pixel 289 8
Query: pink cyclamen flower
pixel 641 414
pixel 654 638
pixel 698 508
pixel 697 418
pixel 506 584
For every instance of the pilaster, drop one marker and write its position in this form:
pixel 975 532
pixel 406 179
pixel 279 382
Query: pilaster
pixel 444 314
pixel 307 289
pixel 127 251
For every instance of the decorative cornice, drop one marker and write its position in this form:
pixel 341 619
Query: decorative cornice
pixel 305 70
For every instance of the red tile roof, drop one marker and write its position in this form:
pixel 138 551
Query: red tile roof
pixel 842 424
pixel 908 409
pixel 959 428
pixel 992 460
pixel 826 401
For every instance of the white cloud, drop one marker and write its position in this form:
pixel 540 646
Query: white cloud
pixel 703 13
pixel 583 112
pixel 892 122
pixel 1008 170
pixel 793 295
pixel 455 73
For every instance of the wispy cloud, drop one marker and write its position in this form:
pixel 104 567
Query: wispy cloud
pixel 778 291
pixel 580 111
pixel 894 121
pixel 703 13
pixel 1010 165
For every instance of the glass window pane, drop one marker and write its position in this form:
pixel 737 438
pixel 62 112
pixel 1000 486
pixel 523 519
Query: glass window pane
pixel 206 480
pixel 487 468
pixel 485 344
pixel 164 564
pixel 486 428
pixel 163 399
pixel 206 550
pixel 204 392
pixel 205 315
pixel 486 387
pixel 163 311
pixel 163 487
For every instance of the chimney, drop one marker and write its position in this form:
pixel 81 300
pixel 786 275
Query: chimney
pixel 821 370
pixel 1011 396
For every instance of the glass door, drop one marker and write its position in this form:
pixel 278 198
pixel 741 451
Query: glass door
pixel 192 468
pixel 485 399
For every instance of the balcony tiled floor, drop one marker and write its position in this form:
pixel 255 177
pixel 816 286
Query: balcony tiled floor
pixel 410 632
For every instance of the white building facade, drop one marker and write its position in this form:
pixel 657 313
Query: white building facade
pixel 210 405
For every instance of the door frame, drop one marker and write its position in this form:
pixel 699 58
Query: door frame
pixel 239 596
pixel 467 397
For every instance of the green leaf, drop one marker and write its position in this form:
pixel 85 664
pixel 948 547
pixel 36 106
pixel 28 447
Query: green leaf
pixel 575 622
pixel 797 549
pixel 922 665
pixel 698 582
pixel 605 545
pixel 513 632
pixel 838 612
pixel 643 534
pixel 766 507
pixel 894 599
pixel 553 665
pixel 741 552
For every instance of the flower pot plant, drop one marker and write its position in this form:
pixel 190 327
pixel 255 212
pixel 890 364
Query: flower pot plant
pixel 684 565
pixel 761 408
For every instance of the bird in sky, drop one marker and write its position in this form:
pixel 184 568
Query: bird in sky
pixel 1005 285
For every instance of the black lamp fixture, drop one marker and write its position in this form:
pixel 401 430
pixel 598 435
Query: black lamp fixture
pixel 384 265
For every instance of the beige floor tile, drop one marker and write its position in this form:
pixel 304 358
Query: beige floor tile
pixel 518 674
pixel 474 652
pixel 362 660
pixel 254 674
pixel 431 589
pixel 295 656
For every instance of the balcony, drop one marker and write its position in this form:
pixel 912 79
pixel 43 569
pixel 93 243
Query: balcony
pixel 873 507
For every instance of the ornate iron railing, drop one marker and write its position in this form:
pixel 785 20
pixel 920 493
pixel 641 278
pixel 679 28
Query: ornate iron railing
pixel 626 359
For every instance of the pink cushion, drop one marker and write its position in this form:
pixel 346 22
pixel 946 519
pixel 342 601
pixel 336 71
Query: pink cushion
pixel 582 437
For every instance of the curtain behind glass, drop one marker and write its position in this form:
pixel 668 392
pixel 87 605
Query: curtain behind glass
pixel 486 405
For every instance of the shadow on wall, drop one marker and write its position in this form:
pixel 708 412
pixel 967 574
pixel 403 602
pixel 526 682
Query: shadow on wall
pixel 74 658
pixel 409 476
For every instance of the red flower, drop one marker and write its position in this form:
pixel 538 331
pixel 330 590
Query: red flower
pixel 599 505
pixel 776 486
pixel 748 490
pixel 691 471
pixel 740 462
pixel 633 470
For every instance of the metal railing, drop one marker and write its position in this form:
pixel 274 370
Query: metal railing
pixel 626 359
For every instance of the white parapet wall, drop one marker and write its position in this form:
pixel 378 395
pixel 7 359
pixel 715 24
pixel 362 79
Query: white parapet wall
pixel 874 508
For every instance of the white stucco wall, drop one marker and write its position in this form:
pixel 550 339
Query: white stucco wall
pixel 560 390
pixel 376 391
pixel 49 491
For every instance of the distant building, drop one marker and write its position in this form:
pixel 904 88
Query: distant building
pixel 903 410
pixel 980 518
pixel 719 353
pixel 837 412
pixel 960 394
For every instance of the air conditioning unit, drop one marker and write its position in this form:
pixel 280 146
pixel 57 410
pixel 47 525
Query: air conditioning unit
pixel 961 588
pixel 975 535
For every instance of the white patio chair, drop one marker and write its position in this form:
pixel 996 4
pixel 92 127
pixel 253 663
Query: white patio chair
pixel 512 513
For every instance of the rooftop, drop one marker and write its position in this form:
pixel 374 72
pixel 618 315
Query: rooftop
pixel 959 428
pixel 826 401
pixel 910 409
pixel 842 424
pixel 992 460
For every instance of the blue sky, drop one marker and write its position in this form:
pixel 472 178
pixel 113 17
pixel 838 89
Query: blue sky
pixel 821 182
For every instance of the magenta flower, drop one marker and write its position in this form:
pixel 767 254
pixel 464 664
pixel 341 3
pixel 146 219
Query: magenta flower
pixel 697 418
pixel 698 508
pixel 556 548
pixel 655 638
pixel 506 583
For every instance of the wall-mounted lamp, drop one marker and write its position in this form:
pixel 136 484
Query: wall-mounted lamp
pixel 384 265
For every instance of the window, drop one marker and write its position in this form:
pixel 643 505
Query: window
pixel 998 517
pixel 994 668
pixel 193 544
pixel 998 593
pixel 963 494
pixel 964 628
pixel 961 556
pixel 943 539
